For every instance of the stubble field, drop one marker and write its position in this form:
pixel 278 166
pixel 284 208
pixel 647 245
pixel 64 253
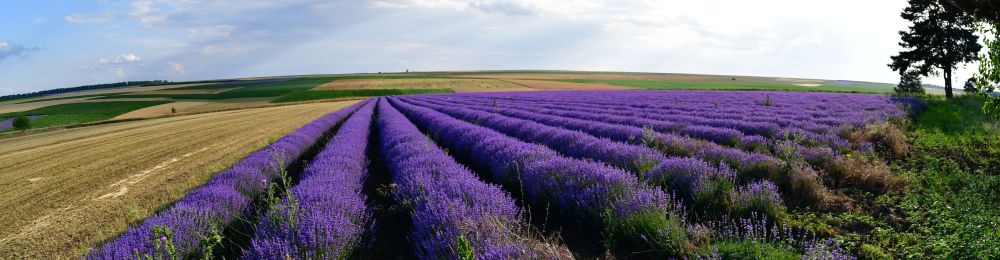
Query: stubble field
pixel 65 190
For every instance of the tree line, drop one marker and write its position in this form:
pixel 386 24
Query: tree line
pixel 82 88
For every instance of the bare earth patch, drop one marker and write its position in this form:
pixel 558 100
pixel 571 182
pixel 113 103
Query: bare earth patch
pixel 55 184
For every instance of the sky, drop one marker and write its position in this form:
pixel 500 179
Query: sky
pixel 53 44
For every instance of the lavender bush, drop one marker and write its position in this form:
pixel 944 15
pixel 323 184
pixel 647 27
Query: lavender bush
pixel 324 215
pixel 454 214
pixel 190 227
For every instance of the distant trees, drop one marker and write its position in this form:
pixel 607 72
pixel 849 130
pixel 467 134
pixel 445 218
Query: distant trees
pixel 941 37
pixel 909 83
pixel 970 86
pixel 82 88
pixel 22 122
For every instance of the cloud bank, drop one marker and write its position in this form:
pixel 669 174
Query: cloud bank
pixel 8 50
pixel 182 40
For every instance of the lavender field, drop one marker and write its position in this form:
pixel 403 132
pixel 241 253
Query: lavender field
pixel 542 175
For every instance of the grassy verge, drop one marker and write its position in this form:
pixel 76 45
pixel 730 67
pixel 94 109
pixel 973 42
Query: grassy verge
pixel 78 113
pixel 950 206
pixel 331 94
pixel 728 85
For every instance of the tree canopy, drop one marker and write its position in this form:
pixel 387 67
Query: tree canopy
pixel 22 122
pixel 909 84
pixel 941 37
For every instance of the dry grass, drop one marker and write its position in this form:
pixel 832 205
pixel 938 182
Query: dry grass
pixel 456 84
pixel 161 110
pixel 806 189
pixel 193 107
pixel 66 190
pixel 864 173
pixel 888 139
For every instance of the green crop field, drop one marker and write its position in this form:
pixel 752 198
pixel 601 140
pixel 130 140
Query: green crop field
pixel 735 85
pixel 78 113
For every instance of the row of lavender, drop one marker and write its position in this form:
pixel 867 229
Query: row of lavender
pixel 324 215
pixel 608 176
pixel 453 212
pixel 693 169
pixel 599 198
pixel 192 227
pixel 701 116
pixel 823 149
pixel 690 178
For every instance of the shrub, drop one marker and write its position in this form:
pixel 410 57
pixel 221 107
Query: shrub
pixel 862 172
pixel 759 197
pixel 22 122
pixel 888 140
pixel 869 251
pixel 805 189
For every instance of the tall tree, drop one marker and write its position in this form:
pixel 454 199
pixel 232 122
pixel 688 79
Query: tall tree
pixel 981 9
pixel 987 12
pixel 909 83
pixel 941 37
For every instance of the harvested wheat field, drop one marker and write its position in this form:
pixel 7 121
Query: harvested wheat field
pixel 195 106
pixel 455 84
pixel 64 191
pixel 161 110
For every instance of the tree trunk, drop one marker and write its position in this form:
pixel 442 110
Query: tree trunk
pixel 947 83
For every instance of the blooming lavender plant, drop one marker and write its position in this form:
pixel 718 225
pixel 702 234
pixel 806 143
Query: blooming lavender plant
pixel 760 197
pixel 598 196
pixel 452 211
pixel 226 198
pixel 633 158
pixel 324 215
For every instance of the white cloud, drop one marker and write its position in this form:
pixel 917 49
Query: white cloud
pixel 505 7
pixel 8 50
pixel 227 38
pixel 174 68
pixel 215 31
pixel 80 18
pixel 387 5
pixel 120 72
pixel 127 58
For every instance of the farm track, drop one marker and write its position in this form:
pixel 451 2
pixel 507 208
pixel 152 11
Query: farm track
pixel 49 179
